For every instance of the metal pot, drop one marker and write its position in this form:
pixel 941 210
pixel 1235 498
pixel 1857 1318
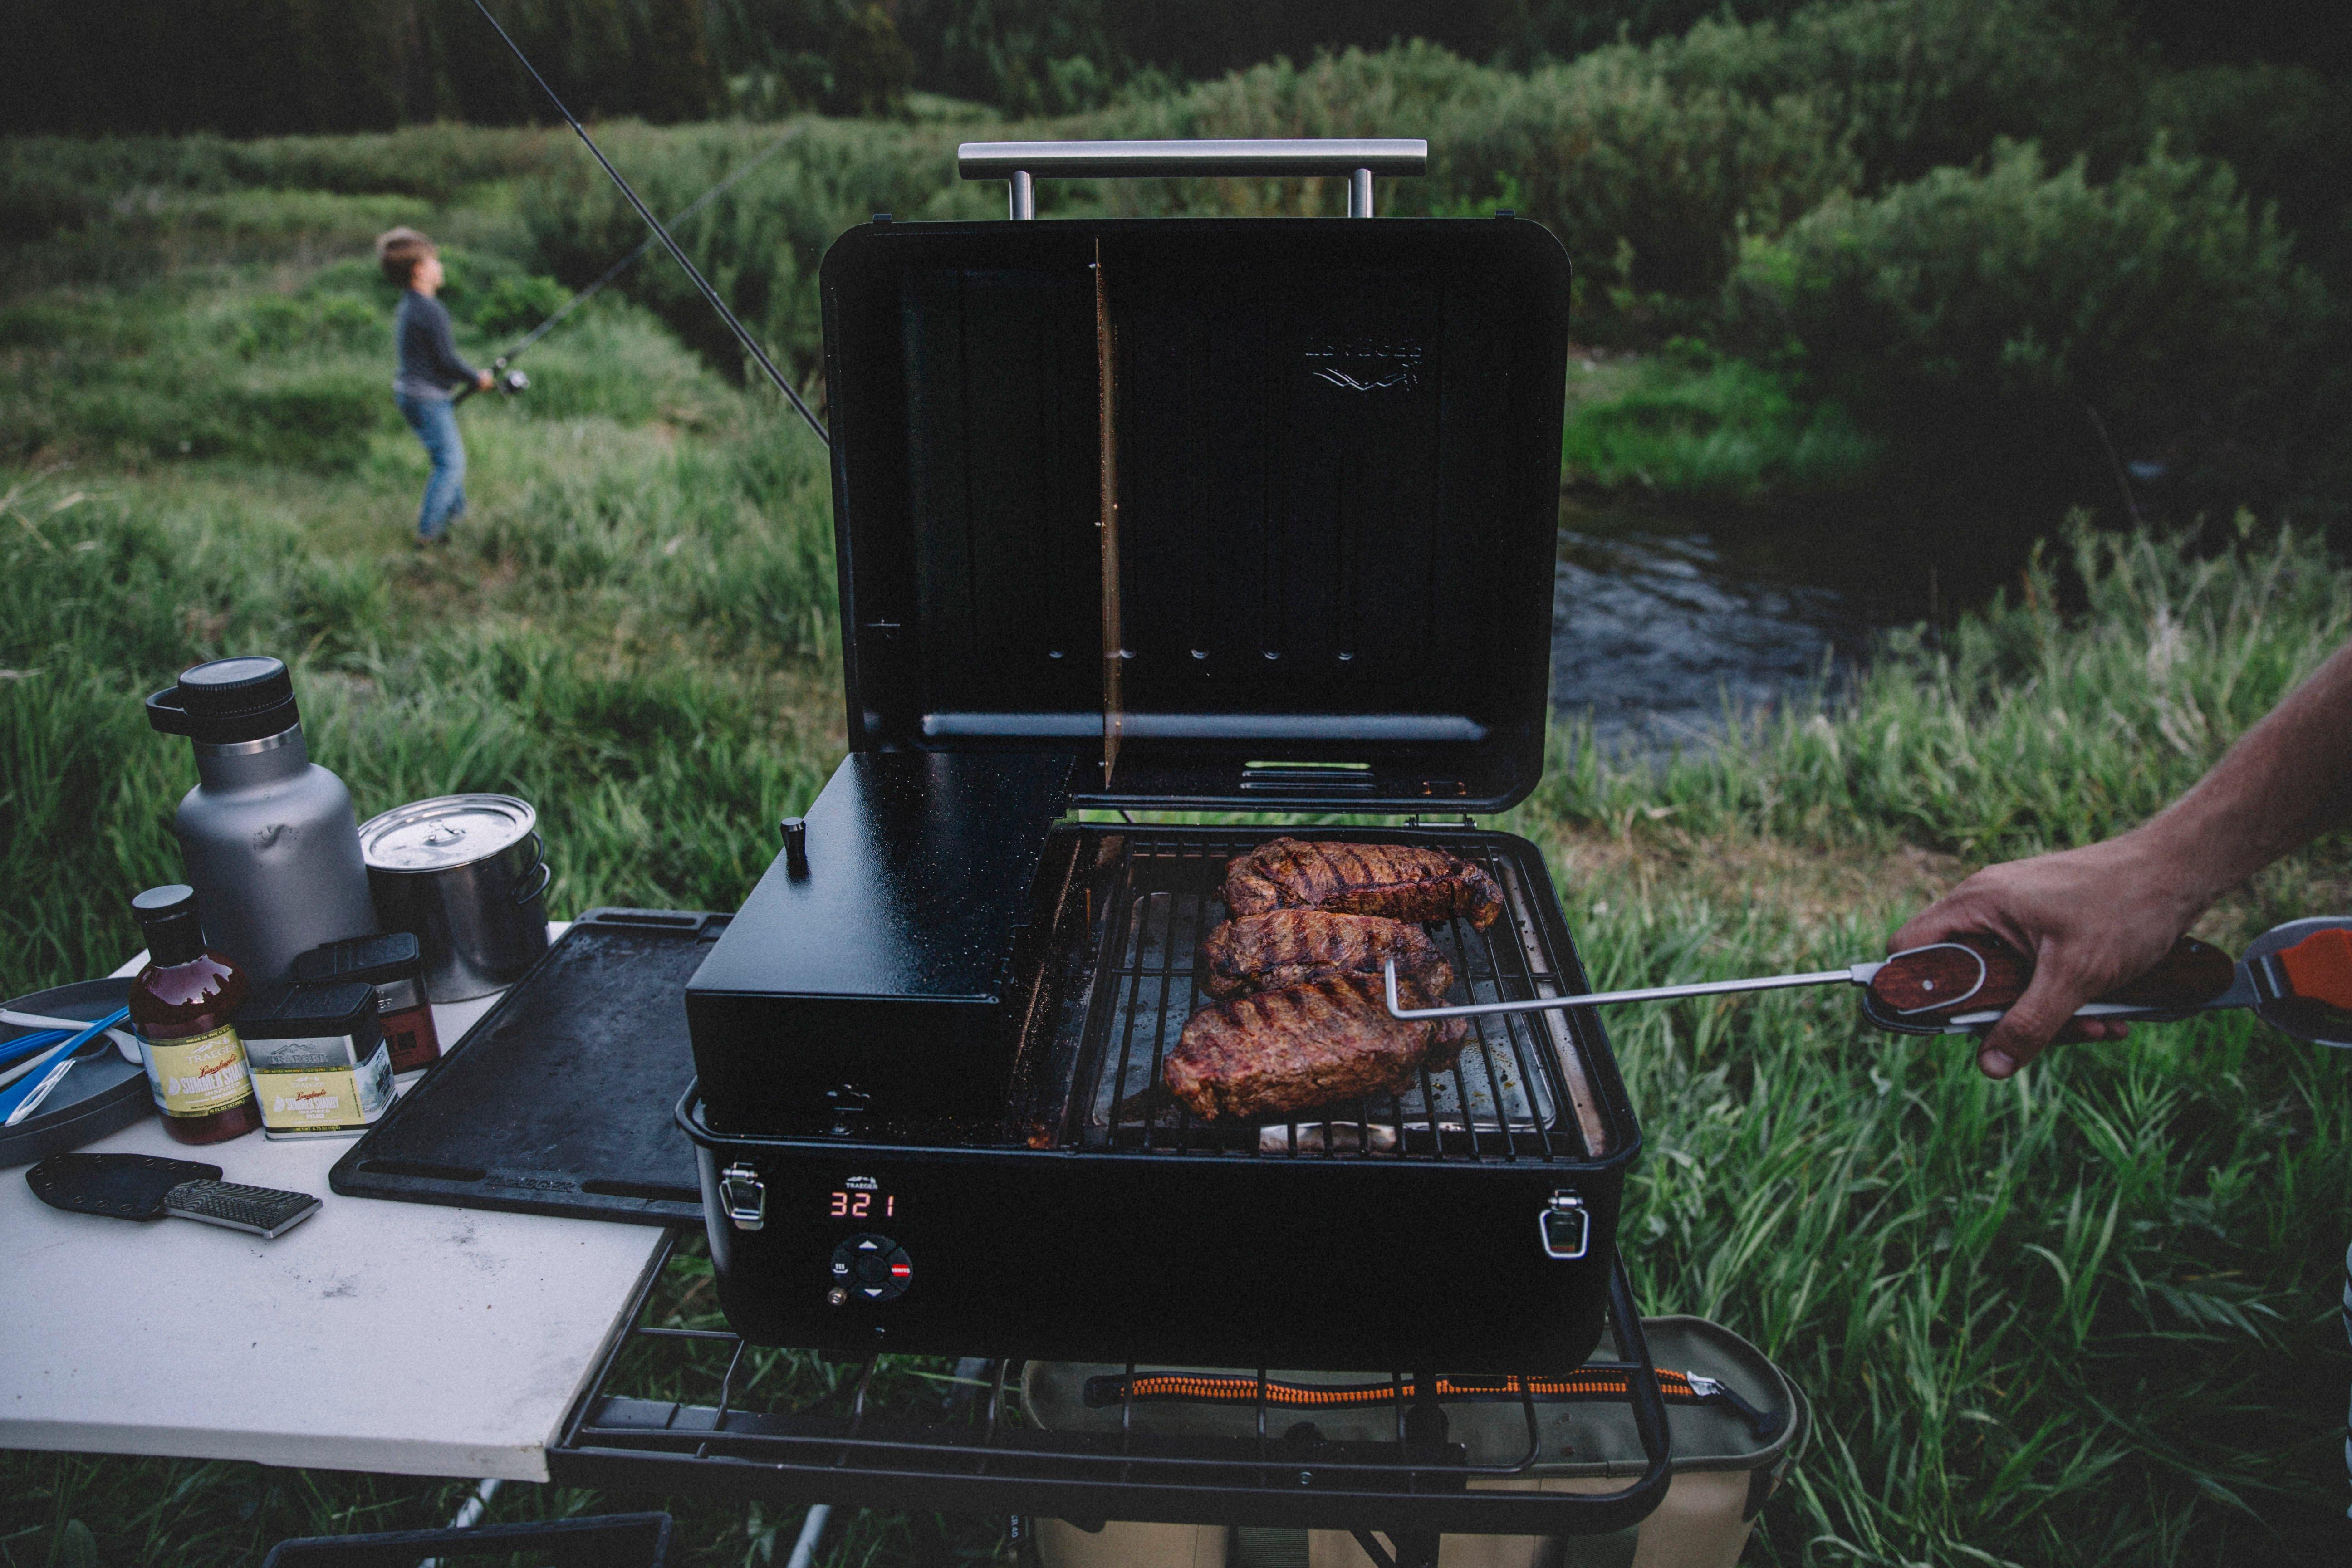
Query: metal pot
pixel 468 874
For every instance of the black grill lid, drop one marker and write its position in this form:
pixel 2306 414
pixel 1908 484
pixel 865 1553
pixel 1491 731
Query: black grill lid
pixel 1338 449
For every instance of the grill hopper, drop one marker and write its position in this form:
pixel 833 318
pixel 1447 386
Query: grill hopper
pixel 1338 462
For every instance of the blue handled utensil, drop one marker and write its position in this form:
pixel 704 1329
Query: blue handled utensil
pixel 16 1050
pixel 20 1099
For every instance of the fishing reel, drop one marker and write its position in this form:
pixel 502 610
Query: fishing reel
pixel 512 382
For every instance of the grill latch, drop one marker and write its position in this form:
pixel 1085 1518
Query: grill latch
pixel 1566 1227
pixel 744 1196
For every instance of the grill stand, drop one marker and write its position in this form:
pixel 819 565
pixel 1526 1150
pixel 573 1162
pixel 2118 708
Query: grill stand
pixel 981 1462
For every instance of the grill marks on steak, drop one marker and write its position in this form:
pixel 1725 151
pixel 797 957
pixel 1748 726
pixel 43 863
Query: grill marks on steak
pixel 1301 1045
pixel 1290 947
pixel 1401 881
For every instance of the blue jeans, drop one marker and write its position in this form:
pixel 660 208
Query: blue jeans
pixel 434 420
pixel 2347 1329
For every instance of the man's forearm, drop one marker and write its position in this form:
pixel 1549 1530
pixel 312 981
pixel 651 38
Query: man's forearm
pixel 2287 779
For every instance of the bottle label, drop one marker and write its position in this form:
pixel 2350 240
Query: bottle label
pixel 333 1099
pixel 199 1075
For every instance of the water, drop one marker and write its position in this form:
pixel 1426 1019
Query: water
pixel 1664 619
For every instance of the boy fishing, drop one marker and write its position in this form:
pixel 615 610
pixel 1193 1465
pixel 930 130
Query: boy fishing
pixel 430 372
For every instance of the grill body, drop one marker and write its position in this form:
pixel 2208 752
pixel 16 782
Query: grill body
pixel 1226 515
pixel 1089 1216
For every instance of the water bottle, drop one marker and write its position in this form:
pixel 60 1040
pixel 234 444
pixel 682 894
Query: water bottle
pixel 271 844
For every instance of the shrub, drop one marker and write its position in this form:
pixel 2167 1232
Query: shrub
pixel 1981 315
pixel 1910 85
pixel 512 306
pixel 760 242
pixel 2287 131
pixel 1648 185
pixel 276 323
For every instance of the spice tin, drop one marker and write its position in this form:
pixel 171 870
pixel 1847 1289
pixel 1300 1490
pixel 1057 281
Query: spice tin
pixel 319 1066
pixel 393 963
pixel 467 873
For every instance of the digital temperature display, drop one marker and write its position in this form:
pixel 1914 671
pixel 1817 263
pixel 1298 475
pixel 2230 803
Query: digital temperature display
pixel 850 1205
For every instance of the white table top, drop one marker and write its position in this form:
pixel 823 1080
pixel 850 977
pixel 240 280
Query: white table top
pixel 380 1336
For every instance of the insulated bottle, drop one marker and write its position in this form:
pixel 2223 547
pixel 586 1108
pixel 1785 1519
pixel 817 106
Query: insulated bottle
pixel 270 841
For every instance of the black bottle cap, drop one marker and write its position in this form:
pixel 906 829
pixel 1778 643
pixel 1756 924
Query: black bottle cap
pixel 168 917
pixel 247 698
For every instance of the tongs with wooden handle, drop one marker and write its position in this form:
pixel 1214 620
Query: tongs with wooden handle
pixel 2296 977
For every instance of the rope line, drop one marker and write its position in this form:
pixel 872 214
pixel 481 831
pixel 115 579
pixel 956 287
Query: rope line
pixel 676 253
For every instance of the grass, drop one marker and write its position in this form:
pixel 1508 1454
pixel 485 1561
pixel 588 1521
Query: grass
pixel 1687 424
pixel 2083 1317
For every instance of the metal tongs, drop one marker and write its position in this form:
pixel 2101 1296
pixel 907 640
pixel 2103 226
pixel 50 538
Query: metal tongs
pixel 2296 977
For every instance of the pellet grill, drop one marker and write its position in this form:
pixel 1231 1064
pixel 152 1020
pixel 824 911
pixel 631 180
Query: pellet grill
pixel 1246 521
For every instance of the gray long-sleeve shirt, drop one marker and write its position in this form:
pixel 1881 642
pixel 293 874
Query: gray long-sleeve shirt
pixel 429 365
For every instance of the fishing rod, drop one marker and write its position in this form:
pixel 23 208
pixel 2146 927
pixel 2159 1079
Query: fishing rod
pixel 2295 977
pixel 677 252
pixel 517 380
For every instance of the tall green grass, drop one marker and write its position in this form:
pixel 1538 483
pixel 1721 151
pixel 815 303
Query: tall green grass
pixel 2026 726
pixel 1717 428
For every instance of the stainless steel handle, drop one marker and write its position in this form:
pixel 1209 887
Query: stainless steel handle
pixel 1358 158
pixel 524 888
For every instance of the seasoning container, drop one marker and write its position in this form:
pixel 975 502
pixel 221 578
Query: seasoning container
pixel 394 965
pixel 182 1008
pixel 468 874
pixel 268 837
pixel 320 1069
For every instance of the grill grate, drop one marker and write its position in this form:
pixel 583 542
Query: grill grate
pixel 1517 1090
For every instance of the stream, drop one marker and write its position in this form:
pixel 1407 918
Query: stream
pixel 1664 618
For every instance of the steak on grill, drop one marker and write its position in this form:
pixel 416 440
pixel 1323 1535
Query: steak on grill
pixel 1290 947
pixel 1281 1051
pixel 1402 881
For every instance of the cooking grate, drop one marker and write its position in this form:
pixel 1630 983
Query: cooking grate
pixel 1517 1090
pixel 673 1407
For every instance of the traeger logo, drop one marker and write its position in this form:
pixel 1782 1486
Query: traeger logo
pixel 861 1183
pixel 1366 366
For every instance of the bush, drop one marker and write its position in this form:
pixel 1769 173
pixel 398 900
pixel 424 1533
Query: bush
pixel 1985 316
pixel 513 306
pixel 760 242
pixel 1911 85
pixel 276 323
pixel 2287 131
pixel 1650 186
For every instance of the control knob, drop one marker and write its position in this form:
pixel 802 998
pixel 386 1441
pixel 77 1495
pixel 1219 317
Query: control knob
pixel 869 1267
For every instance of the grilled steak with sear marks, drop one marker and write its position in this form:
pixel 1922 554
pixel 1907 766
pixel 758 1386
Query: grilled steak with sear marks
pixel 1402 881
pixel 1290 947
pixel 1283 1051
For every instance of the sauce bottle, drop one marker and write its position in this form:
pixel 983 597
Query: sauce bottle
pixel 181 1006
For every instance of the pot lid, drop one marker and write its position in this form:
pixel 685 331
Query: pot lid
pixel 446 831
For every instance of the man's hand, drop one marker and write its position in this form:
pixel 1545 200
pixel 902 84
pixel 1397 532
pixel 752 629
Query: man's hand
pixel 2089 918
pixel 2094 918
pixel 485 380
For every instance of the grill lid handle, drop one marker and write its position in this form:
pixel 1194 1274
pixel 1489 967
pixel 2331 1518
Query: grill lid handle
pixel 1358 158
